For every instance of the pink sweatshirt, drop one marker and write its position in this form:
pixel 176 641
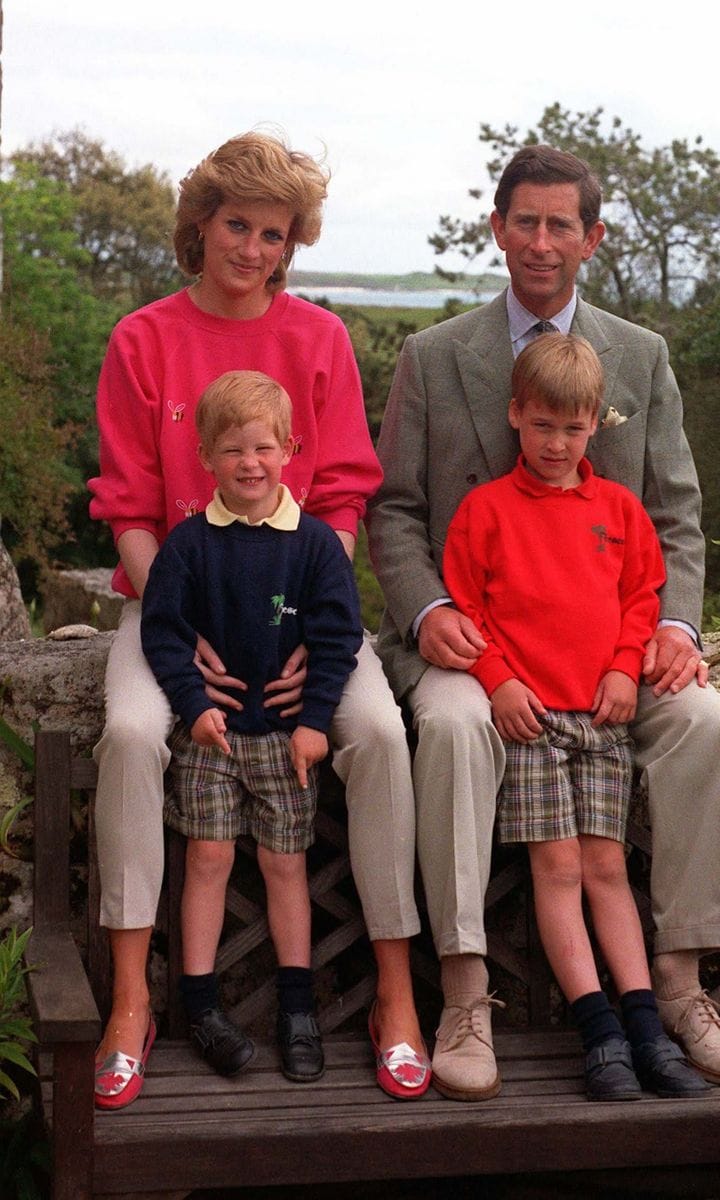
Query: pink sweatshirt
pixel 159 361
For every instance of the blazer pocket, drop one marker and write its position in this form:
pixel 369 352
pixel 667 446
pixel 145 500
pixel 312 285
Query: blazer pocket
pixel 618 452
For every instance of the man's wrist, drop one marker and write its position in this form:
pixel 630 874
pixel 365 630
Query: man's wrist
pixel 442 601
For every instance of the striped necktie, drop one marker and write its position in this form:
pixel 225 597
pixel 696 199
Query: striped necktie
pixel 542 327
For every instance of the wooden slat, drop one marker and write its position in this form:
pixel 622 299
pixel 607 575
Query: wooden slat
pixel 52 829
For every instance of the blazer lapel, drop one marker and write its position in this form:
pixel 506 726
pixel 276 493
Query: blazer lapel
pixel 588 323
pixel 485 364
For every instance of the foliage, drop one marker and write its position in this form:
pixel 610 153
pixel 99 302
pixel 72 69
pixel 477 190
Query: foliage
pixel 661 208
pixel 35 481
pixel 123 216
pixel 15 1029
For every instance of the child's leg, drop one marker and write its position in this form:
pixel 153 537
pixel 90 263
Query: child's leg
pixel 615 916
pixel 557 886
pixel 288 902
pixel 288 905
pixel 207 869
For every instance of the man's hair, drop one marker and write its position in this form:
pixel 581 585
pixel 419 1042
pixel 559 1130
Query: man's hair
pixel 238 397
pixel 249 169
pixel 546 165
pixel 561 371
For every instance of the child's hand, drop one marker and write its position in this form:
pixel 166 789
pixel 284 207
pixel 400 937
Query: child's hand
pixel 307 747
pixel 514 707
pixel 615 699
pixel 209 729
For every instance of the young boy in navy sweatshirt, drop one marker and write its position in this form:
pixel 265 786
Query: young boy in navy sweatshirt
pixel 256 578
pixel 559 569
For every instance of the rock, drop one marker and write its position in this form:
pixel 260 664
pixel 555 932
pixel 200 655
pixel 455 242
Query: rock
pixel 14 621
pixel 79 598
pixel 57 685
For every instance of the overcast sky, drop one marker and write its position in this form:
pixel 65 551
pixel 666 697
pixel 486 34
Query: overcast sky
pixel 393 93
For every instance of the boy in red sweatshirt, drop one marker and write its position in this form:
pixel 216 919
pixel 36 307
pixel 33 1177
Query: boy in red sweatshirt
pixel 559 569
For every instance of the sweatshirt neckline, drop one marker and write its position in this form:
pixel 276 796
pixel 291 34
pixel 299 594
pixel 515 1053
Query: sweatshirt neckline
pixel 205 320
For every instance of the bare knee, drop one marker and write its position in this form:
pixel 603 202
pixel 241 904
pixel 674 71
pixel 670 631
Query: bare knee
pixel 281 870
pixel 209 861
pixel 557 863
pixel 603 865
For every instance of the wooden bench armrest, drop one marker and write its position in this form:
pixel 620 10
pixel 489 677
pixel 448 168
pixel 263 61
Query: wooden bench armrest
pixel 62 1003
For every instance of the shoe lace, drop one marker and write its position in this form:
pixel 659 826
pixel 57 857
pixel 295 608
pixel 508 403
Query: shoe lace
pixel 471 1021
pixel 707 1009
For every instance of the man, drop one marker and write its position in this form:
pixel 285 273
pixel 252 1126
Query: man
pixel 445 430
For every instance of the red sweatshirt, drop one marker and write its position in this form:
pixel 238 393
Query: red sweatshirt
pixel 159 361
pixel 562 584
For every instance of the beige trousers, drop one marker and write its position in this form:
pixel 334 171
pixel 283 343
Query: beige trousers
pixel 457 772
pixel 370 755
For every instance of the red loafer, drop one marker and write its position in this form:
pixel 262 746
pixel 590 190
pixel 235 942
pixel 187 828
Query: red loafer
pixel 119 1078
pixel 401 1072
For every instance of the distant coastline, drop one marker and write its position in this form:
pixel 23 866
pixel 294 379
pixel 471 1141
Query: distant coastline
pixel 415 281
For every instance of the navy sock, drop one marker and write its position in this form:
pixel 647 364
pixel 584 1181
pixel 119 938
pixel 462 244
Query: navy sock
pixel 640 1016
pixel 295 989
pixel 199 993
pixel 595 1019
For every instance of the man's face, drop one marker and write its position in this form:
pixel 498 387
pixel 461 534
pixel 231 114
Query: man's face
pixel 544 243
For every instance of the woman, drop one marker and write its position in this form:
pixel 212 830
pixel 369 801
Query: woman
pixel 241 213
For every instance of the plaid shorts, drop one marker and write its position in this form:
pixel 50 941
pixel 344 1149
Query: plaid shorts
pixel 572 779
pixel 253 790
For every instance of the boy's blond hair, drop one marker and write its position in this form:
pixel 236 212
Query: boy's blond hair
pixel 238 397
pixel 561 371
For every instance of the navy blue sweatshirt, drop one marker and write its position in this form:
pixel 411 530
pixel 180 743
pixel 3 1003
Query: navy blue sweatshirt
pixel 255 593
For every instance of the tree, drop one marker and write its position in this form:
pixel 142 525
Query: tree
pixel 661 208
pixel 123 217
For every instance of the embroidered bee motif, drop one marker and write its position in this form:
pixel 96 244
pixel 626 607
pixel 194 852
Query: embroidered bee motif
pixel 177 410
pixel 303 497
pixel 190 509
pixel 296 440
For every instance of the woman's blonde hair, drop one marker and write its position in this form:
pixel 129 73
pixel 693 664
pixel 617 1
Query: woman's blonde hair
pixel 238 397
pixel 252 168
pixel 561 371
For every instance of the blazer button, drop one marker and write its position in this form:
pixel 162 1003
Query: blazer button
pixel 472 478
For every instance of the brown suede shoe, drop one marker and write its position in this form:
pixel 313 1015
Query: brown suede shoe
pixel 693 1020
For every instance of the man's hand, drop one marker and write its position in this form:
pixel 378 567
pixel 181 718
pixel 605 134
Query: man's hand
pixel 212 669
pixel 449 639
pixel 288 688
pixel 615 700
pixel 307 747
pixel 209 730
pixel 672 661
pixel 514 707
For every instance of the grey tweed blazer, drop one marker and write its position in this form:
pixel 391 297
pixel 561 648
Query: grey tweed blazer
pixel 445 430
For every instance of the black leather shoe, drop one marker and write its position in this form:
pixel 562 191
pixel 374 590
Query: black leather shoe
pixel 300 1046
pixel 609 1072
pixel 662 1068
pixel 223 1045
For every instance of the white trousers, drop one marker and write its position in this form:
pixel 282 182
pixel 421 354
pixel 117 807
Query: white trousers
pixel 370 755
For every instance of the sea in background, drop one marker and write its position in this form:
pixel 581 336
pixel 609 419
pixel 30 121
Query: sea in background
pixel 391 297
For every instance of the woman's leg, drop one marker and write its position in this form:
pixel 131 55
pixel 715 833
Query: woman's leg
pixel 371 757
pixel 131 757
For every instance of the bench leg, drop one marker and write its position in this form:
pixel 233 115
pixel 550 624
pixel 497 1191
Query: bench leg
pixel 73 1117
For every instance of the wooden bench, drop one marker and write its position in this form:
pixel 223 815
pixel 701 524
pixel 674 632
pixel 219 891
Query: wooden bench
pixel 190 1128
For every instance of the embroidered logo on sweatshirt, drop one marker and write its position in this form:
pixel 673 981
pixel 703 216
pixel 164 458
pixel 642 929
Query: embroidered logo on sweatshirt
pixel 280 609
pixel 604 537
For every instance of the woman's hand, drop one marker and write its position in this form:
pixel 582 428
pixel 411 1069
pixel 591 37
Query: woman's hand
pixel 287 690
pixel 212 669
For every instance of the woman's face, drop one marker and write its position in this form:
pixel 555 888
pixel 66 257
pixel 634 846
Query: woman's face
pixel 243 244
